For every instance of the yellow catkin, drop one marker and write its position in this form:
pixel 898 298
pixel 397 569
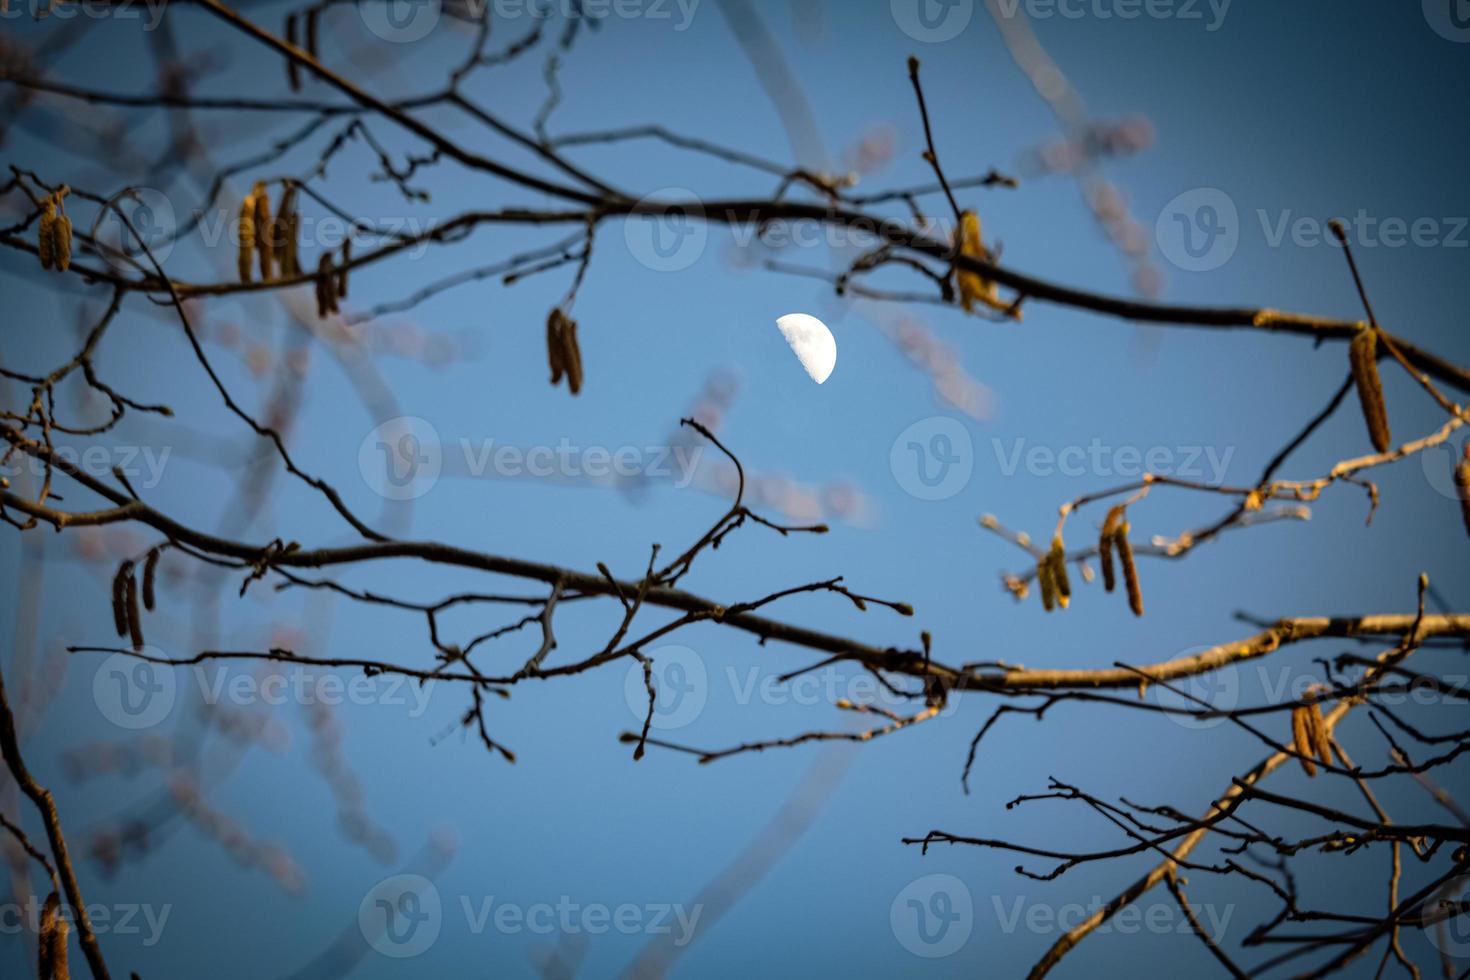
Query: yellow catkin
pixel 52 942
pixel 973 286
pixel 554 355
pixel 1130 569
pixel 46 234
pixel 1462 486
pixel 1317 728
pixel 263 248
pixel 61 242
pixel 283 237
pixel 246 258
pixel 1105 547
pixel 1046 578
pixel 1363 357
pixel 1058 559
pixel 1301 739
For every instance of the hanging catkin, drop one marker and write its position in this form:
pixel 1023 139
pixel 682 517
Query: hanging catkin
pixel 1058 559
pixel 1462 486
pixel 119 598
pixel 52 941
pixel 1317 728
pixel 53 235
pixel 263 249
pixel 283 232
pixel 150 573
pixel 1105 546
pixel 554 345
pixel 973 286
pixel 46 234
pixel 135 617
pixel 572 352
pixel 1047 579
pixel 1301 739
pixel 1363 357
pixel 1130 569
pixel 246 257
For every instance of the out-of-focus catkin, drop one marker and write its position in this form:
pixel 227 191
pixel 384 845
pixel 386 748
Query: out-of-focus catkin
pixel 1105 546
pixel 1130 569
pixel 1462 486
pixel 263 247
pixel 1301 739
pixel 52 942
pixel 1317 728
pixel 53 234
pixel 974 288
pixel 326 286
pixel 1058 558
pixel 553 345
pixel 150 573
pixel 1048 582
pixel 245 260
pixel 1363 358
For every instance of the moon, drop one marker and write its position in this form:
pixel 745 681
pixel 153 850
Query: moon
pixel 811 342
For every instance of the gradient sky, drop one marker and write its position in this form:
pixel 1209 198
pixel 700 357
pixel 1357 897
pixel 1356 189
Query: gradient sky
pixel 1292 111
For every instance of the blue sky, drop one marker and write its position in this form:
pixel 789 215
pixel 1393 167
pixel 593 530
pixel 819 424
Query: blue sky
pixel 1294 113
